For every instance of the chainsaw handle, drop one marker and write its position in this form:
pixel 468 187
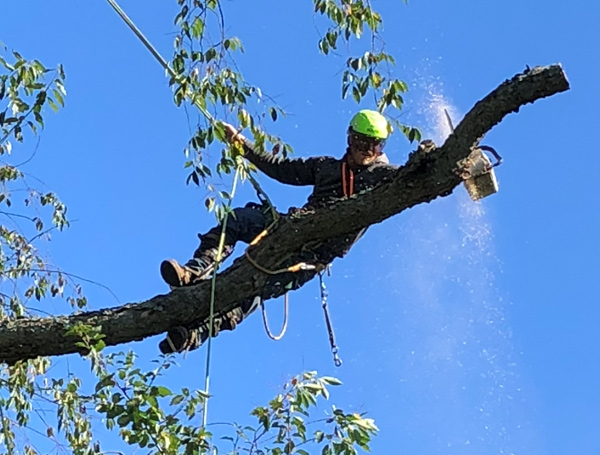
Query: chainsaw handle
pixel 496 155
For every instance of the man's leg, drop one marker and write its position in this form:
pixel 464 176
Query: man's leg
pixel 192 337
pixel 244 224
pixel 275 286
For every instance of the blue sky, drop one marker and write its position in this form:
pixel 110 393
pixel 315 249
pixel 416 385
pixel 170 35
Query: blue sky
pixel 464 328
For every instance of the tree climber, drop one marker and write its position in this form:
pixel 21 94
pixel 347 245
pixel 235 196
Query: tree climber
pixel 363 166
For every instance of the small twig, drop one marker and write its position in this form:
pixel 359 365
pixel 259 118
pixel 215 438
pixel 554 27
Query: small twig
pixel 70 275
pixel 32 155
pixel 17 215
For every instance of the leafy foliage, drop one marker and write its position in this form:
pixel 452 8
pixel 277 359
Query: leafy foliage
pixel 25 89
pixel 154 417
pixel 206 77
pixel 161 421
pixel 287 418
pixel 364 73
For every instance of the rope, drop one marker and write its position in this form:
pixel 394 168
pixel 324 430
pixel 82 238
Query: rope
pixel 334 349
pixel 266 320
pixel 209 117
pixel 158 57
pixel 294 268
pixel 262 196
pixel 213 286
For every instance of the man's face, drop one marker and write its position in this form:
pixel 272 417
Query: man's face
pixel 363 150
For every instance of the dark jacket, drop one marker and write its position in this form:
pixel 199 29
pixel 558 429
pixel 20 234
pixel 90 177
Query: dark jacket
pixel 322 172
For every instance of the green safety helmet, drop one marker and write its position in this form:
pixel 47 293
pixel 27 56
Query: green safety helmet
pixel 370 123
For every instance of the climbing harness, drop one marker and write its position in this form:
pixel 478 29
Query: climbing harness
pixel 334 349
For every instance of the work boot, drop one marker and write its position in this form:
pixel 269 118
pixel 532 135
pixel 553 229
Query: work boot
pixel 195 270
pixel 177 275
pixel 180 339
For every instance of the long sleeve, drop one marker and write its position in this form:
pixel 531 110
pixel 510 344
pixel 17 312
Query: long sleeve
pixel 297 171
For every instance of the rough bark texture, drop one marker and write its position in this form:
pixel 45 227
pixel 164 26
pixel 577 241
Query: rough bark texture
pixel 423 178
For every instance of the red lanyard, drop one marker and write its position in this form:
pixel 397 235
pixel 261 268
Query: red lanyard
pixel 347 183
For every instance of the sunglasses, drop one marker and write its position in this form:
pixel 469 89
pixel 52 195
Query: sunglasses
pixel 363 142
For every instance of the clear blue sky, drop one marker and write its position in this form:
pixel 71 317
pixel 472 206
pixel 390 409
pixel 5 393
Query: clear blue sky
pixel 464 328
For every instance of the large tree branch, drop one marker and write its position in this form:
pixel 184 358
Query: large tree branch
pixel 422 179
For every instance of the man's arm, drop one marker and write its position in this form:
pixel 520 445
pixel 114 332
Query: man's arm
pixel 285 170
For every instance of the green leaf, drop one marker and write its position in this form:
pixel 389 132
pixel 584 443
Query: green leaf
pixel 197 27
pixel 124 420
pixel 177 399
pixel 331 380
pixel 289 447
pixel 209 202
pixel 210 54
pixel 163 391
pixel 52 104
pixel 59 97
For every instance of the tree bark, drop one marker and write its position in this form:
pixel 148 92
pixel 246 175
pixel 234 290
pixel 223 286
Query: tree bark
pixel 423 178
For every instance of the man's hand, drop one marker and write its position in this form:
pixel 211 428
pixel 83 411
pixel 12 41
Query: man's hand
pixel 232 134
pixel 426 146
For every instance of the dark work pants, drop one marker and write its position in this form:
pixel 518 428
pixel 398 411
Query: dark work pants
pixel 245 224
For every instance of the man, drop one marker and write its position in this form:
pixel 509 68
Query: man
pixel 362 167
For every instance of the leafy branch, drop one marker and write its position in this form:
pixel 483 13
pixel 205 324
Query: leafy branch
pixel 363 74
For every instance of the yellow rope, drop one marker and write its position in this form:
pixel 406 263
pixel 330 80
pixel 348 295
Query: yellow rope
pixel 294 268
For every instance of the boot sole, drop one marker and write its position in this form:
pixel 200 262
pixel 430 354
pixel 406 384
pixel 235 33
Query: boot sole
pixel 178 340
pixel 170 273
